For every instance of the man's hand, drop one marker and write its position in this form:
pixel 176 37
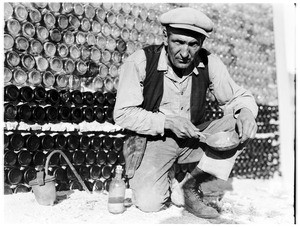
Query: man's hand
pixel 246 125
pixel 181 126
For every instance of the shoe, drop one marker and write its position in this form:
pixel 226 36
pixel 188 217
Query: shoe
pixel 193 198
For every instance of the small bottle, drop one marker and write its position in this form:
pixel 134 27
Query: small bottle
pixel 116 193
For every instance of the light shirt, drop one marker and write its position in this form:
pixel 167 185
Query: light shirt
pixel 177 92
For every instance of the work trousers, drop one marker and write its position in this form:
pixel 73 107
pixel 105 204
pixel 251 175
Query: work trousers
pixel 150 183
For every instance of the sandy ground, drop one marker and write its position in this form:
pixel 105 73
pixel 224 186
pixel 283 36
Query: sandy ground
pixel 244 201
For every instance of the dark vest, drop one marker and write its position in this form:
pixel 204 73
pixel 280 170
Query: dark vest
pixel 154 84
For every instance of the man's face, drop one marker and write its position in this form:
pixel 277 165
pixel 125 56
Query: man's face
pixel 182 46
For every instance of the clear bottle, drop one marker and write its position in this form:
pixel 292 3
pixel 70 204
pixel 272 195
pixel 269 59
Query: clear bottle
pixel 116 192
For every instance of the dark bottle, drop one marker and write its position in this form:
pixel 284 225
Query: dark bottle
pixel 26 94
pixel 118 144
pixel 39 94
pixel 76 115
pixel 95 172
pixel 96 143
pixel 90 157
pixel 32 142
pixel 53 97
pixel 10 158
pixel 110 98
pixel 107 142
pixel 38 114
pixel 99 98
pixel 24 158
pixel 121 45
pixel 70 174
pixel 84 142
pixel 24 112
pixel 78 158
pixel 21 188
pixel 106 171
pixel 75 185
pixel 7 189
pixel 59 173
pixel 55 35
pixel 88 113
pixel 14 176
pixel 60 141
pixel 106 184
pixel 101 158
pixel 10 112
pixel 84 172
pixel 51 114
pixel 88 98
pixel 16 141
pixel 39 159
pixel 6 141
pixel 73 142
pixel 64 113
pixel 112 157
pixel 76 98
pixel 108 112
pixel 98 186
pixel 11 93
pixel 99 114
pixel 29 174
pixel 121 159
pixel 93 69
pixel 47 142
pixel 65 97
pixel 62 160
pixel 54 161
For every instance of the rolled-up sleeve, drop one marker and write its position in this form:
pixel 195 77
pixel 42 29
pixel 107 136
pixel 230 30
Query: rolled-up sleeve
pixel 127 111
pixel 231 97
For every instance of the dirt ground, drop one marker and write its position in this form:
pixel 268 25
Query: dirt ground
pixel 244 201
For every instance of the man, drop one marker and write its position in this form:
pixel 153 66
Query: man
pixel 161 97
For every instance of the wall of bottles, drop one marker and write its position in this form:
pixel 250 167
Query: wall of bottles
pixel 61 69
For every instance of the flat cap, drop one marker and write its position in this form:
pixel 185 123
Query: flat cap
pixel 187 18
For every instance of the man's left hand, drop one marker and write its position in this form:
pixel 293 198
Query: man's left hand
pixel 246 125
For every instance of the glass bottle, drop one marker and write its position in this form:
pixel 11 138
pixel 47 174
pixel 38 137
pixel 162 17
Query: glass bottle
pixel 12 59
pixel 116 193
pixel 101 157
pixel 48 79
pixel 47 142
pixel 51 113
pixel 62 21
pixel 26 94
pixel 32 142
pixel 35 47
pixel 95 172
pixel 85 24
pixel 62 50
pixel 7 75
pixel 8 42
pixel 24 112
pixel 35 15
pixel 19 77
pixel 76 114
pixel 13 27
pixel 10 112
pixel 88 113
pixel 10 158
pixel 90 157
pixel 24 158
pixel 74 22
pixel 11 93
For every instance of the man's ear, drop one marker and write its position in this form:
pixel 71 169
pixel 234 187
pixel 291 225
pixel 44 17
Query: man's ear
pixel 165 37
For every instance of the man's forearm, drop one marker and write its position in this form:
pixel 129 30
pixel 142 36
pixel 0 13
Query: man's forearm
pixel 140 120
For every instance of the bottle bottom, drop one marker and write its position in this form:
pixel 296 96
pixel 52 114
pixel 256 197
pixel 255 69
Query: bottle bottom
pixel 116 208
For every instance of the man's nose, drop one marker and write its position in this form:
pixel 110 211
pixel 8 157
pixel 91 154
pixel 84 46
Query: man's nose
pixel 184 51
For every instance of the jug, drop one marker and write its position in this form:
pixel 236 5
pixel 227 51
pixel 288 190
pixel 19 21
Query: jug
pixel 43 186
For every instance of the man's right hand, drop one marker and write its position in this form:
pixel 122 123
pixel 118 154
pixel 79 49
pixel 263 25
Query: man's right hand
pixel 182 127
